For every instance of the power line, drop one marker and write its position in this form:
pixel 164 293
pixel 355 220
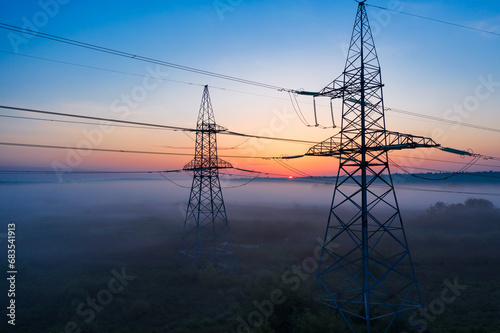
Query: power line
pixel 168 127
pixel 199 71
pixel 437 20
pixel 243 184
pixel 453 122
pixel 296 108
pixel 161 173
pixel 70 122
pixel 138 57
pixel 447 191
pixel 267 137
pixel 171 181
pixel 443 161
pixel 294 105
pixel 409 188
pixel 300 180
pixel 142 127
pixel 292 169
pixel 17 144
pixel 76 172
pixel 453 174
pixel 138 75
pixel 102 69
pixel 84 172
pixel 175 128
pixel 148 125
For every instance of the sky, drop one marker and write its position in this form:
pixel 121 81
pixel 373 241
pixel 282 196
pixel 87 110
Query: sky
pixel 427 67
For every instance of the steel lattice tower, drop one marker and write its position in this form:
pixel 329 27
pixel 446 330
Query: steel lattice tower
pixel 366 271
pixel 206 238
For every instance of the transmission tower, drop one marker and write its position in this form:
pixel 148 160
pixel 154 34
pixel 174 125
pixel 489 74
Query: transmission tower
pixel 206 238
pixel 366 271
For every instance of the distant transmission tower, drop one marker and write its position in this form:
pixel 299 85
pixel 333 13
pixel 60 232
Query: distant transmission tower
pixel 366 272
pixel 206 239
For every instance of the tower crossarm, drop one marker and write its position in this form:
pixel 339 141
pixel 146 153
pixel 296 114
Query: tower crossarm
pixel 210 127
pixel 335 89
pixel 370 278
pixel 375 140
pixel 207 164
pixel 340 89
pixel 206 239
pixel 396 140
pixel 328 147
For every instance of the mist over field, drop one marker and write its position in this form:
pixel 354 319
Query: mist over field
pixel 117 240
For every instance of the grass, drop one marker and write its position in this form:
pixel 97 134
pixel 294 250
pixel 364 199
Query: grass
pixel 63 263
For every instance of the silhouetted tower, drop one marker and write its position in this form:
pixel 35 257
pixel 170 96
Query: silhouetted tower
pixel 366 271
pixel 206 238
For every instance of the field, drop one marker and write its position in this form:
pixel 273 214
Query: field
pixel 96 272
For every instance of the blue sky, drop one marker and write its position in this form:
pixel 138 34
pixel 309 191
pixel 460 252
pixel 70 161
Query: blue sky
pixel 427 67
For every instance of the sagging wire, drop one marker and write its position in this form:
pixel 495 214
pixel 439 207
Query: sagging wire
pixel 453 174
pixel 162 173
pixel 168 127
pixel 300 115
pixel 31 145
pixel 137 57
pixel 290 168
pixel 436 20
pixel 187 134
pixel 263 173
pixel 298 111
pixel 77 172
pixel 331 110
pixel 241 185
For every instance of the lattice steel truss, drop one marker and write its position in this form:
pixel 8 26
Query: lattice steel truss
pixel 366 271
pixel 206 239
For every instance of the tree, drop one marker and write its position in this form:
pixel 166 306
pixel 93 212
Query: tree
pixel 483 205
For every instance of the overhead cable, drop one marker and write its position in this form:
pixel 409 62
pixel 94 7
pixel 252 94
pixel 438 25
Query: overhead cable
pixel 453 174
pixel 296 109
pixel 168 127
pixel 300 115
pixel 139 75
pixel 175 128
pixel 449 121
pixel 137 57
pixel 76 172
pixel 69 121
pixel 436 20
pixel 18 144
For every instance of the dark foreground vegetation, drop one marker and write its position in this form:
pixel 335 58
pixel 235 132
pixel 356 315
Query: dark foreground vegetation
pixel 115 274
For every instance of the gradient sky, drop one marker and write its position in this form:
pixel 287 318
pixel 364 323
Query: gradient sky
pixel 427 67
